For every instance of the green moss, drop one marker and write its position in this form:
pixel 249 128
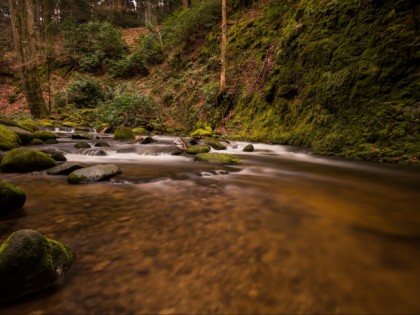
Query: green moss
pixel 8 139
pixel 207 132
pixel 45 135
pixel 196 149
pixel 24 135
pixel 215 144
pixel 218 158
pixel 12 197
pixel 140 131
pixel 82 145
pixel 36 142
pixel 26 160
pixel 73 178
pixel 248 148
pixel 29 125
pixel 124 134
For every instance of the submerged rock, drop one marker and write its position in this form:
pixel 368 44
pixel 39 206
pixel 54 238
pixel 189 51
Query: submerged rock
pixel 26 160
pixel 124 134
pixel 30 262
pixel 93 173
pixel 147 140
pixel 8 139
pixel 218 158
pixel 66 168
pixel 12 197
pixel 248 148
pixel 82 145
pixel 215 144
pixel 196 149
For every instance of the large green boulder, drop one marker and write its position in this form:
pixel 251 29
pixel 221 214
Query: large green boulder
pixel 93 174
pixel 12 197
pixel 140 131
pixel 202 132
pixel 26 160
pixel 45 135
pixel 30 262
pixel 124 134
pixel 215 144
pixel 24 135
pixel 218 158
pixel 196 149
pixel 29 125
pixel 8 139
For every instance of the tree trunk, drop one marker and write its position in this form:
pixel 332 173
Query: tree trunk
pixel 186 4
pixel 23 29
pixel 223 55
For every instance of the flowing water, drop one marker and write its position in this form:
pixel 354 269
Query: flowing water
pixel 284 232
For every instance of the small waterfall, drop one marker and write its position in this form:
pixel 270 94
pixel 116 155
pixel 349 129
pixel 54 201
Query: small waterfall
pixel 97 152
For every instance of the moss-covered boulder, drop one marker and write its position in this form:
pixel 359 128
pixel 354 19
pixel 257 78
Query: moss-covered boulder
pixel 82 145
pixel 248 148
pixel 30 262
pixel 8 139
pixel 124 134
pixel 93 174
pixel 45 135
pixel 36 142
pixel 215 144
pixel 29 125
pixel 12 197
pixel 55 154
pixel 81 135
pixel 26 160
pixel 102 144
pixel 218 158
pixel 140 131
pixel 66 168
pixel 24 135
pixel 202 132
pixel 8 122
pixel 196 149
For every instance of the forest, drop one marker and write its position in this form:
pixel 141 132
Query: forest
pixel 209 156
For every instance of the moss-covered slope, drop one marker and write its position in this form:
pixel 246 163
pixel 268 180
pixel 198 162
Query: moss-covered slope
pixel 339 77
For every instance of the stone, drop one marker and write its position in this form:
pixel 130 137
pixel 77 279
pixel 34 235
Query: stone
pixel 81 135
pixel 206 132
pixel 147 140
pixel 45 135
pixel 248 148
pixel 124 134
pixel 218 158
pixel 82 145
pixel 26 160
pixel 196 149
pixel 8 139
pixel 12 197
pixel 55 154
pixel 93 173
pixel 24 135
pixel 102 144
pixel 215 144
pixel 30 262
pixel 29 125
pixel 66 168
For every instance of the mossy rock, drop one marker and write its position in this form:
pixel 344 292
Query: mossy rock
pixel 8 139
pixel 66 168
pixel 44 135
pixel 30 262
pixel 248 148
pixel 215 144
pixel 196 149
pixel 29 125
pixel 7 122
pixel 81 135
pixel 36 142
pixel 124 134
pixel 26 160
pixel 55 154
pixel 93 174
pixel 82 145
pixel 102 144
pixel 51 141
pixel 12 197
pixel 24 135
pixel 207 132
pixel 218 158
pixel 140 131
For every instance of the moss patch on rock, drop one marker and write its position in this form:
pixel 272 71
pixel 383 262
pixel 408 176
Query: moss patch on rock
pixel 196 149
pixel 24 135
pixel 26 160
pixel 124 134
pixel 140 131
pixel 218 158
pixel 45 135
pixel 12 197
pixel 202 132
pixel 8 139
pixel 29 125
pixel 215 144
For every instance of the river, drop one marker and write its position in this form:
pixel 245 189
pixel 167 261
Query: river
pixel 284 232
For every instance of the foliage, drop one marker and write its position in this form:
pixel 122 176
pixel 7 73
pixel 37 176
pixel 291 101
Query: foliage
pixel 95 45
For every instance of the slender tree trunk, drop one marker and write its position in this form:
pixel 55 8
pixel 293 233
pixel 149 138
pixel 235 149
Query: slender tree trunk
pixel 223 55
pixel 23 28
pixel 186 4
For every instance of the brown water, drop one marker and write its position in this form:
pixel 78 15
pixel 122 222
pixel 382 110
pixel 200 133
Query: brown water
pixel 282 233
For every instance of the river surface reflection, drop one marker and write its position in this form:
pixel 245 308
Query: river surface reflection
pixel 284 232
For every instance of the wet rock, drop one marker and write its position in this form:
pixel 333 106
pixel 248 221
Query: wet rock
pixel 24 135
pixel 102 144
pixel 95 152
pixel 55 154
pixel 12 197
pixel 202 132
pixel 147 140
pixel 93 173
pixel 81 135
pixel 45 135
pixel 215 144
pixel 124 134
pixel 51 141
pixel 82 145
pixel 140 131
pixel 26 160
pixel 30 262
pixel 196 149
pixel 36 142
pixel 218 158
pixel 66 168
pixel 8 139
pixel 29 125
pixel 248 148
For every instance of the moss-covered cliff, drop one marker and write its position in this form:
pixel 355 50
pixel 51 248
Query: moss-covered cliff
pixel 338 77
